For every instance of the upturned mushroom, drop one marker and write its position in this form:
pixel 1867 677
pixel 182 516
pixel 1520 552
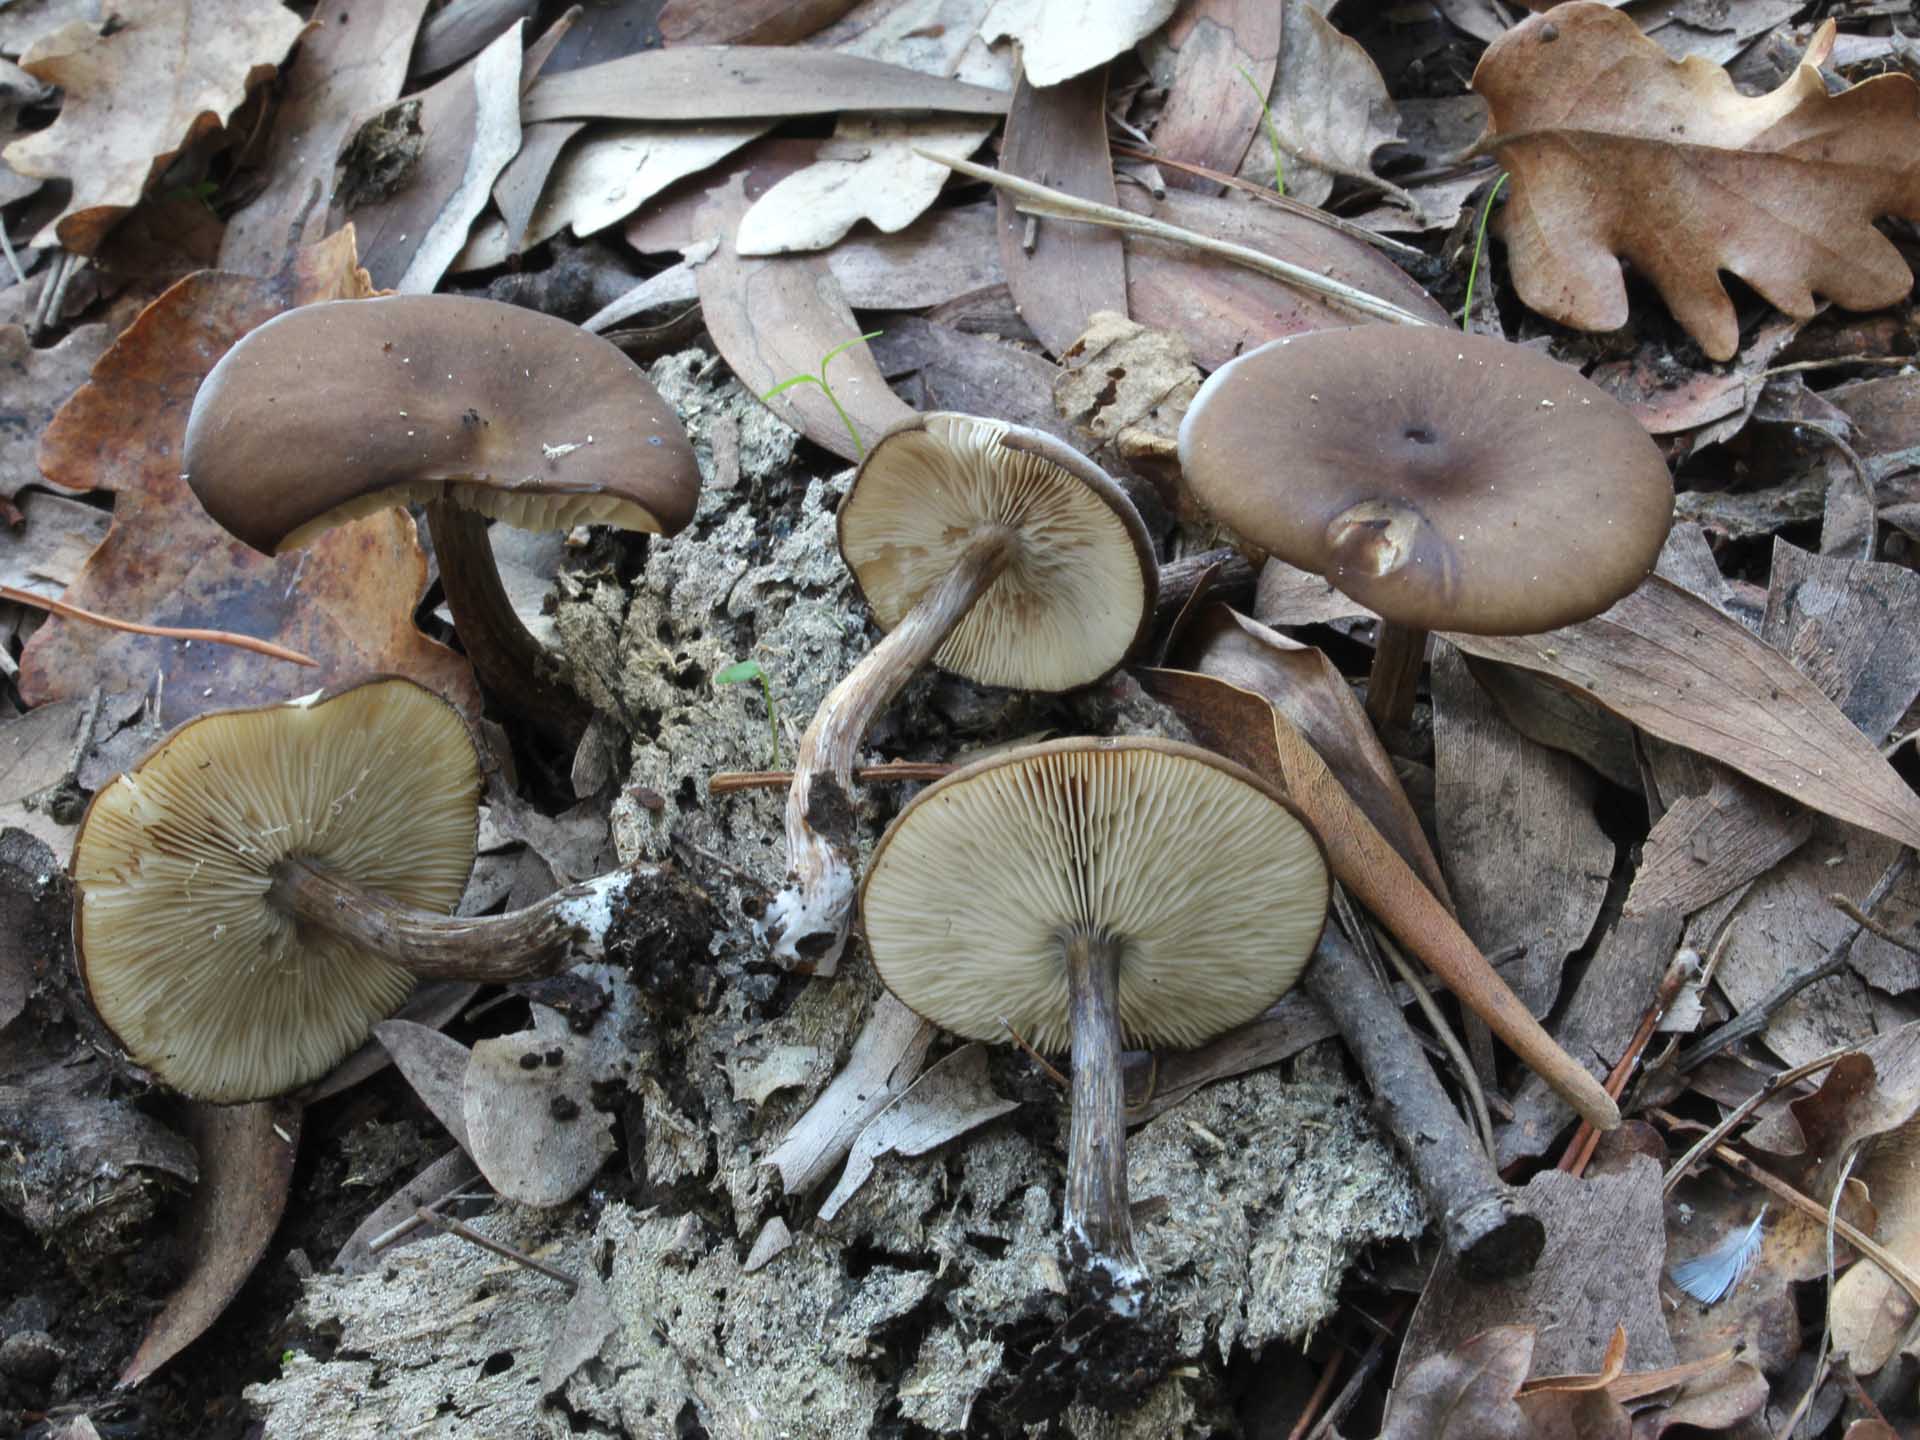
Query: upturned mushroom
pixel 478 409
pixel 1445 481
pixel 994 550
pixel 1135 889
pixel 267 884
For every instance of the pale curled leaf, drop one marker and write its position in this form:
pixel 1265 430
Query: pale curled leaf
pixel 1673 665
pixel 952 1098
pixel 1060 39
pixel 1617 151
pixel 136 94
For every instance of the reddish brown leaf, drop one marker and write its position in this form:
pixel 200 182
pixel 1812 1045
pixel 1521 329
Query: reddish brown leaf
pixel 1618 151
pixel 1061 273
pixel 746 22
pixel 1679 669
pixel 246 1167
pixel 1224 55
pixel 347 600
pixel 1718 1400
pixel 1468 1393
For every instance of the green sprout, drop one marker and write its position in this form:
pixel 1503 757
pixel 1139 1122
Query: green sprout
pixel 820 379
pixel 1273 130
pixel 747 670
pixel 1479 244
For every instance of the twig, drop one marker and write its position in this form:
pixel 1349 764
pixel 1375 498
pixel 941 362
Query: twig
pixel 506 1252
pixel 6 244
pixel 1273 198
pixel 163 632
pixel 1826 1324
pixel 1020 1042
pixel 1775 1084
pixel 1755 1019
pixel 1058 205
pixel 1481 1223
pixel 1860 917
pixel 1328 1372
pixel 1369 1363
pixel 1835 362
pixel 746 878
pixel 727 782
pixel 1456 1052
pixel 1685 965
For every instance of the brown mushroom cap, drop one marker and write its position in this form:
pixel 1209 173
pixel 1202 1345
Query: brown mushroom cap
pixel 216 991
pixel 1078 593
pixel 335 410
pixel 1215 886
pixel 1445 481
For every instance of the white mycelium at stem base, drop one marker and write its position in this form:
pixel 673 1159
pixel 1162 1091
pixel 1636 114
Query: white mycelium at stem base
pixel 1132 890
pixel 999 553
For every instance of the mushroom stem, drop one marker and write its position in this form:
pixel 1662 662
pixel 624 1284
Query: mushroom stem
pixel 1099 1224
pixel 1398 653
pixel 806 923
pixel 569 925
pixel 513 666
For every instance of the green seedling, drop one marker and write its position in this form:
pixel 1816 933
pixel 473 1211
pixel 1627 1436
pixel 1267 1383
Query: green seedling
pixel 1479 245
pixel 746 670
pixel 1273 130
pixel 820 379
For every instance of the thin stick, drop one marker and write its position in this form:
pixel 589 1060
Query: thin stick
pixel 1328 1372
pixel 1820 1363
pixel 1020 1042
pixel 6 244
pixel 1754 1020
pixel 1273 198
pixel 1684 966
pixel 1369 1363
pixel 1422 997
pixel 1775 1084
pixel 506 1252
pixel 162 632
pixel 727 782
pixel 1860 917
pixel 1835 362
pixel 1058 205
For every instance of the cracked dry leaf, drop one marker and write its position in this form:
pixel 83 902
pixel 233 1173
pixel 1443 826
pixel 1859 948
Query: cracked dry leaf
pixel 1466 1393
pixel 347 599
pixel 1619 153
pixel 36 384
pixel 868 171
pixel 1872 1316
pixel 168 71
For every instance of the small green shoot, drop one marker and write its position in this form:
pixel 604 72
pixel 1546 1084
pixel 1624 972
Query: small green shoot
pixel 1273 131
pixel 748 670
pixel 1479 245
pixel 820 379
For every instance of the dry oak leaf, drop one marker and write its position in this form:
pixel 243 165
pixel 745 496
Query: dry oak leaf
pixel 1617 151
pixel 347 599
pixel 168 71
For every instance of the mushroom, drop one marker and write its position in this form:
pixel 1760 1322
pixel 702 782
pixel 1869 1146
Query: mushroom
pixel 332 411
pixel 267 883
pixel 1139 889
pixel 1445 481
pixel 996 551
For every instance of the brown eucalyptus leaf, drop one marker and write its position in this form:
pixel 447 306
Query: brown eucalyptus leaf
pixel 137 93
pixel 246 1169
pixel 1618 152
pixel 1466 1393
pixel 746 22
pixel 1222 56
pixel 1678 668
pixel 722 82
pixel 466 127
pixel 353 62
pixel 347 600
pixel 773 319
pixel 1577 1415
pixel 1061 273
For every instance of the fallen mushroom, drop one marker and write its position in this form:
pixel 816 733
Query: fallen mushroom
pixel 478 409
pixel 994 550
pixel 1445 481
pixel 262 888
pixel 1135 889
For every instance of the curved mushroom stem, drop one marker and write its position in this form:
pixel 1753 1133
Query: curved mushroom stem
pixel 1398 653
pixel 513 666
pixel 806 923
pixel 1099 1223
pixel 568 926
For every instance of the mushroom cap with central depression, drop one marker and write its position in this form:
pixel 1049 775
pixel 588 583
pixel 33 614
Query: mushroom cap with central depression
pixel 1445 481
pixel 1077 594
pixel 207 984
pixel 333 411
pixel 1213 884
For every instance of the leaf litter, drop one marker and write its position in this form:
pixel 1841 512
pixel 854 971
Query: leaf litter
pixel 1724 753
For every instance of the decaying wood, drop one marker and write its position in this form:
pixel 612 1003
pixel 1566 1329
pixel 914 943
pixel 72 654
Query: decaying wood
pixel 1481 1220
